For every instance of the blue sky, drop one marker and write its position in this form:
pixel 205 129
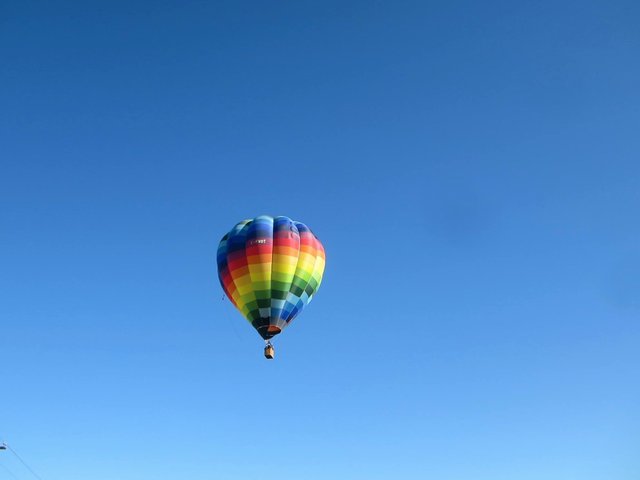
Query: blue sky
pixel 471 168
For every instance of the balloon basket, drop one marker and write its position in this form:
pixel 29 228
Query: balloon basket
pixel 269 352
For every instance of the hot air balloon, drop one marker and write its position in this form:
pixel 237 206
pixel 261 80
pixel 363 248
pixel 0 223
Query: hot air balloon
pixel 270 268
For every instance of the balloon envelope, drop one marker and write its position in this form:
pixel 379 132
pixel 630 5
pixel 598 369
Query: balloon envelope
pixel 270 268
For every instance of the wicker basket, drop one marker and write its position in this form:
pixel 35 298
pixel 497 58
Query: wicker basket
pixel 269 352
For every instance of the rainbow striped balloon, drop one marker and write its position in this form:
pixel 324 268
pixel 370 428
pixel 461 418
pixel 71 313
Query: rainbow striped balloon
pixel 270 268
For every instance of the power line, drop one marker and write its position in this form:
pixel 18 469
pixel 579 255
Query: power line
pixel 11 474
pixel 23 462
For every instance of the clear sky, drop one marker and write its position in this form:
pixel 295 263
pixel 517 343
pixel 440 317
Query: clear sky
pixel 472 169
